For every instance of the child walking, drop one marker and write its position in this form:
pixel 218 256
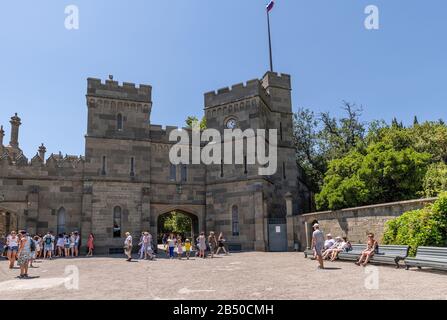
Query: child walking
pixel 179 247
pixel 187 248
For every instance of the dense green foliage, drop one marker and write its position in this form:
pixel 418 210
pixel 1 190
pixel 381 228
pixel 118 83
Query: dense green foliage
pixel 177 223
pixel 424 227
pixel 321 138
pixel 435 181
pixel 347 165
pixel 381 174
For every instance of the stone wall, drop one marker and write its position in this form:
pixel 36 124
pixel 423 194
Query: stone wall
pixel 354 223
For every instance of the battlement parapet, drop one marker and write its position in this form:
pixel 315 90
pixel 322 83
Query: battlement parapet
pixel 235 93
pixel 112 89
pixel 160 134
pixel 278 80
pixel 56 167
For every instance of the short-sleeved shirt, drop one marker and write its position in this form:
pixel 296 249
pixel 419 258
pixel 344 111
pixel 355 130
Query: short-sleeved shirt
pixel 13 241
pixel 128 241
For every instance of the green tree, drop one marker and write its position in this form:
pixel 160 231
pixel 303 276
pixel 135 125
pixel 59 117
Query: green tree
pixel 321 138
pixel 193 119
pixel 415 121
pixel 382 174
pixel 430 137
pixel 424 227
pixel 435 180
pixel 177 223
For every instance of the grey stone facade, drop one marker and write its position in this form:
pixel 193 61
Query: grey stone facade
pixel 126 170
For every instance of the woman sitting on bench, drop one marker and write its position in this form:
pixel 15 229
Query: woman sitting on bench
pixel 328 253
pixel 345 246
pixel 371 248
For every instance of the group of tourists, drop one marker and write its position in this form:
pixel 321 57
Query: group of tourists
pixel 175 247
pixel 330 248
pixel 24 249
pixel 146 244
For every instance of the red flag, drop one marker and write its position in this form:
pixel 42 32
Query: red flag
pixel 270 5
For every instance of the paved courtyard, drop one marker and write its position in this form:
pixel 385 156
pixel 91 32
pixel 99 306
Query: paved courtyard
pixel 238 276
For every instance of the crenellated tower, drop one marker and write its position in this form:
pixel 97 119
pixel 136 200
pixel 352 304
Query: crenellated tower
pixel 118 124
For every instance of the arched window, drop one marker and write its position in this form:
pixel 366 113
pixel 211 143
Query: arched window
pixel 280 131
pixel 119 122
pixel 235 221
pixel 61 220
pixel 173 172
pixel 103 166
pixel 184 173
pixel 132 167
pixel 117 222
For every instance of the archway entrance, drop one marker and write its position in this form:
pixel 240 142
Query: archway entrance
pixel 178 222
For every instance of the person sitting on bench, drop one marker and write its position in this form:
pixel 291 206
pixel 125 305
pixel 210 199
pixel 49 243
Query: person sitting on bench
pixel 345 246
pixel 371 248
pixel 337 244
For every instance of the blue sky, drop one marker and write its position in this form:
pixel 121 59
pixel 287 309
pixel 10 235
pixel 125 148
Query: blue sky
pixel 186 48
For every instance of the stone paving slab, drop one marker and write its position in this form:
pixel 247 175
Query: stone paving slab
pixel 250 276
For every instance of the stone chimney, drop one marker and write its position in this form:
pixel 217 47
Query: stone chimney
pixel 42 151
pixel 15 124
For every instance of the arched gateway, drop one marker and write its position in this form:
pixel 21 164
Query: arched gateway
pixel 192 220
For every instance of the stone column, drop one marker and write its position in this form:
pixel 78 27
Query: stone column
pixel 306 230
pixel 2 135
pixel 33 210
pixel 261 238
pixel 290 222
pixel 146 209
pixel 15 124
pixel 86 215
pixel 42 151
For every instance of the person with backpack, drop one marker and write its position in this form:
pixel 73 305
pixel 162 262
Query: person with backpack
pixel 48 241
pixel 33 247
pixel 26 245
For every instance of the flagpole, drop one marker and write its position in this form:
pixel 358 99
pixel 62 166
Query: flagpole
pixel 270 41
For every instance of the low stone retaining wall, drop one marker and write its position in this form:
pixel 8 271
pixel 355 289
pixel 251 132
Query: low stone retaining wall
pixel 353 223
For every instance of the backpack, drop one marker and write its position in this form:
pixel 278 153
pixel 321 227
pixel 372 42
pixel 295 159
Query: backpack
pixel 32 245
pixel 48 240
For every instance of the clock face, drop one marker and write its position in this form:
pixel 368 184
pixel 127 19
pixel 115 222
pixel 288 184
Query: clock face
pixel 231 124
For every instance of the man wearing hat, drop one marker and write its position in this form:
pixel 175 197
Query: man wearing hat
pixel 329 242
pixel 318 244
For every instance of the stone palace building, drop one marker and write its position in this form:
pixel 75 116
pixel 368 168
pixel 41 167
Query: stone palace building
pixel 125 181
